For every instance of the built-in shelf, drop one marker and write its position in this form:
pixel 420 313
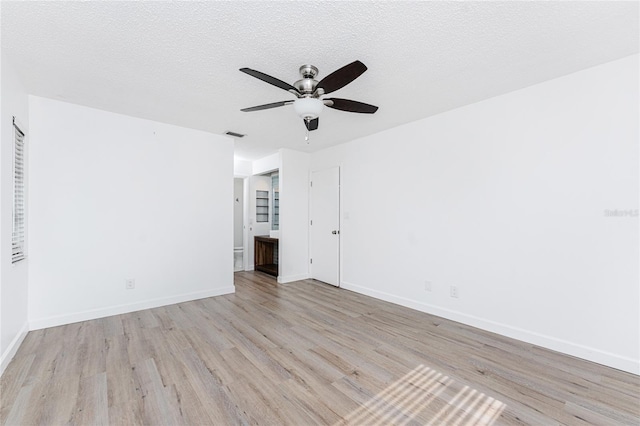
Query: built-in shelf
pixel 262 206
pixel 276 210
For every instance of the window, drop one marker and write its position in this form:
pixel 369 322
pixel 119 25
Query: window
pixel 17 236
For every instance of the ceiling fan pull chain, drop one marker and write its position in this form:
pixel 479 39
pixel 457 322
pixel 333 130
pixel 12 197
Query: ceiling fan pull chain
pixel 306 138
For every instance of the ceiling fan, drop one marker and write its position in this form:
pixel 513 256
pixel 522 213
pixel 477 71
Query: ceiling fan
pixel 308 91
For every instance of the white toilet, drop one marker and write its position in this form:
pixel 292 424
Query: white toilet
pixel 238 252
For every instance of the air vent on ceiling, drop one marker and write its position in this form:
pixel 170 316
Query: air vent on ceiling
pixel 235 135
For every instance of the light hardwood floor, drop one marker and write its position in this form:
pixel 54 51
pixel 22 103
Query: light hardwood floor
pixel 304 353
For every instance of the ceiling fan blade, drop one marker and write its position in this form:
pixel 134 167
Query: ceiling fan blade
pixel 340 78
pixel 312 124
pixel 350 106
pixel 271 80
pixel 267 106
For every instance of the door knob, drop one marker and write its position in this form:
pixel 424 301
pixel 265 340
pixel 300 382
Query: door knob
pixel 334 232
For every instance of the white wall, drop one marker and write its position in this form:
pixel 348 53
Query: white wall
pixel 294 216
pixel 242 168
pixel 238 208
pixel 115 197
pixel 506 200
pixel 267 164
pixel 13 278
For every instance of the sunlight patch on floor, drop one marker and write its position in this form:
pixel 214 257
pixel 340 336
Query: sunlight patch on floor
pixel 429 394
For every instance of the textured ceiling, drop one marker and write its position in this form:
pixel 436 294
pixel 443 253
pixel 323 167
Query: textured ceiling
pixel 177 62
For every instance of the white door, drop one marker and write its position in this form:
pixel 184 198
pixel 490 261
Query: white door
pixel 324 235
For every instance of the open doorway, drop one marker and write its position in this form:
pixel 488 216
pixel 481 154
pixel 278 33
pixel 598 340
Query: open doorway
pixel 262 207
pixel 238 224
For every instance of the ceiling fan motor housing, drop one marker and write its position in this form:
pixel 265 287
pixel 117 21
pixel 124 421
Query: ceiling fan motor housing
pixel 308 84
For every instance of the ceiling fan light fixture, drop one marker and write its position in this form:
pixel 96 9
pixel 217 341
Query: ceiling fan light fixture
pixel 308 108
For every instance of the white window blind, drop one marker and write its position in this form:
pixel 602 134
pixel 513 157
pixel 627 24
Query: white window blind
pixel 17 238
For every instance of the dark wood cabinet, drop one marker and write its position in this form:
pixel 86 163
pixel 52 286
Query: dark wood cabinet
pixel 265 254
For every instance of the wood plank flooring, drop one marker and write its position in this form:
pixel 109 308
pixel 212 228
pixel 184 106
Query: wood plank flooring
pixel 304 353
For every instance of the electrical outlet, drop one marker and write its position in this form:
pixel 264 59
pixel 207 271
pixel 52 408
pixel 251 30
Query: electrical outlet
pixel 454 291
pixel 427 286
pixel 130 284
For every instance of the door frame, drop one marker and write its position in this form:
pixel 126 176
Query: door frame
pixel 245 225
pixel 340 262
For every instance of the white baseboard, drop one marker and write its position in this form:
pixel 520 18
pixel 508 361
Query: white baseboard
pixel 292 278
pixel 53 321
pixel 11 350
pixel 591 354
